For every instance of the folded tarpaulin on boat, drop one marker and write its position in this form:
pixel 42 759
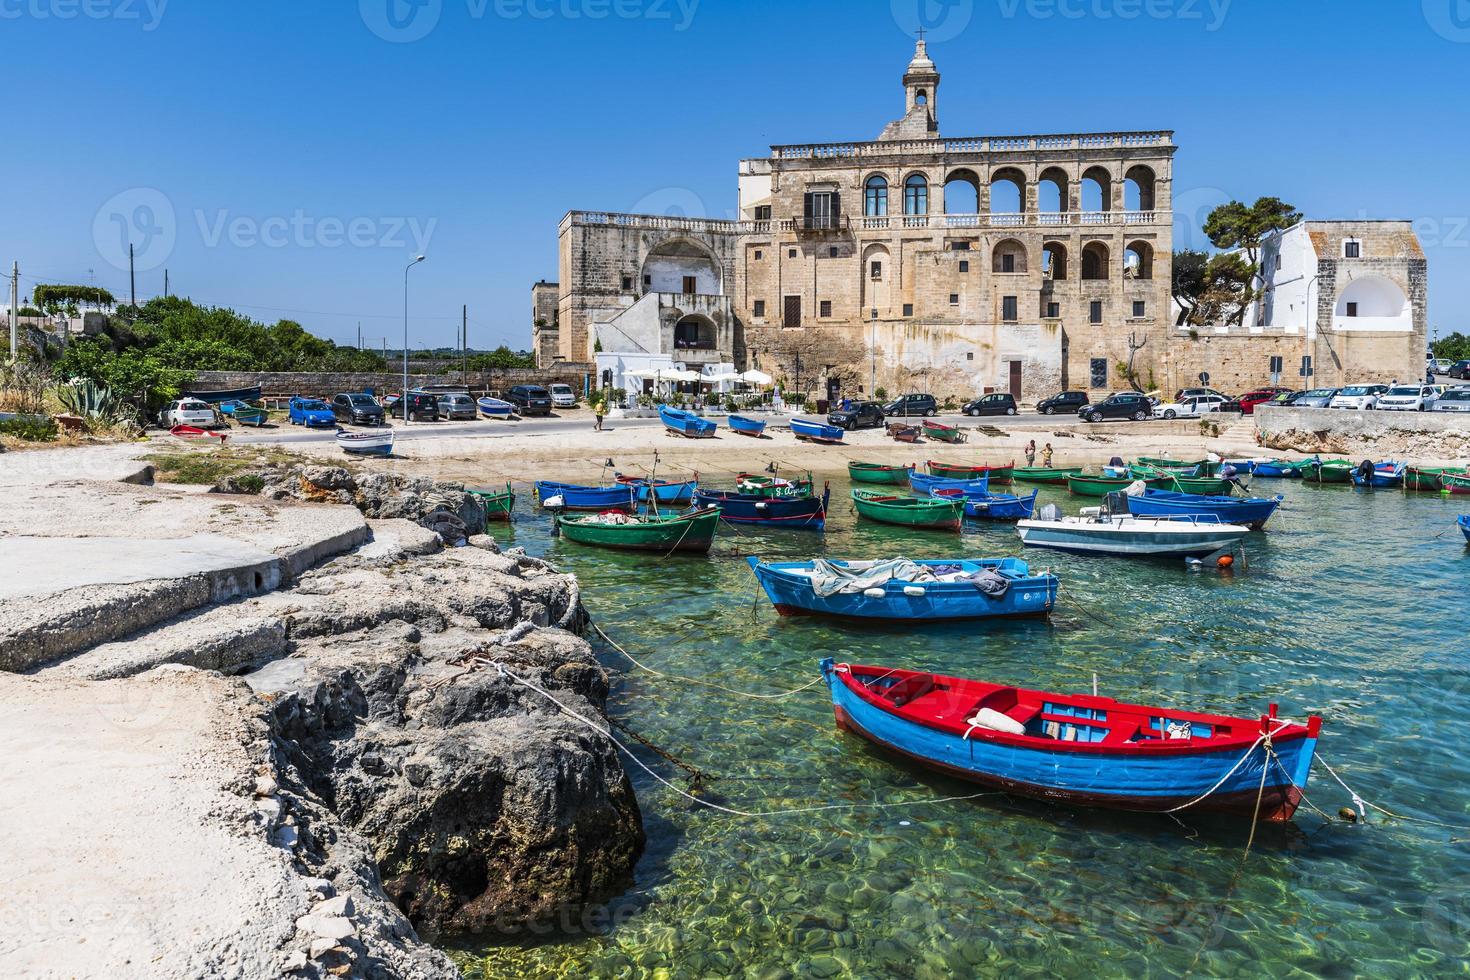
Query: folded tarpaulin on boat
pixel 859 576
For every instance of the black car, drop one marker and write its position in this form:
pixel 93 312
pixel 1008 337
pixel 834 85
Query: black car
pixel 1460 370
pixel 912 405
pixel 421 406
pixel 1123 405
pixel 1067 401
pixel 999 403
pixel 859 415
pixel 530 400
pixel 357 409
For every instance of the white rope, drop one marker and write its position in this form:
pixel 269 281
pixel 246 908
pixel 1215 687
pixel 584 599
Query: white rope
pixel 694 680
pixel 1224 778
pixel 715 806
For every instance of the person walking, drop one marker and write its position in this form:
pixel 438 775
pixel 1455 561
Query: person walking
pixel 599 409
pixel 1046 455
pixel 1031 453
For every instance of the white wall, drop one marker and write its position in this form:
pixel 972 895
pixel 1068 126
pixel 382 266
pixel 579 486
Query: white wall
pixel 1286 308
pixel 666 274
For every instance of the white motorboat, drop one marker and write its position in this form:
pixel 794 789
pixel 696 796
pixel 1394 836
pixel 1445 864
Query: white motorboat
pixel 1128 535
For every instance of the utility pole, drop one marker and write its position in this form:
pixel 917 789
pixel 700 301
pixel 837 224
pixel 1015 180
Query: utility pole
pixel 14 301
pixel 165 284
pixel 359 335
pixel 132 275
pixel 464 341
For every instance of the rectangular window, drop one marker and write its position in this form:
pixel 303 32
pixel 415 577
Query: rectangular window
pixel 825 308
pixel 627 284
pixel 647 281
pixel 954 299
pixel 820 210
pixel 1008 309
pixel 791 314
pixel 1352 309
pixel 875 271
pixel 791 253
pixel 1094 311
pixel 1099 372
pixel 758 307
pixel 691 286
pixel 969 355
pixel 1053 310
pixel 1352 249
pixel 965 266
pixel 763 212
pixel 758 255
pixel 908 309
pixel 960 246
pixel 1008 262
pixel 1138 309
pixel 832 251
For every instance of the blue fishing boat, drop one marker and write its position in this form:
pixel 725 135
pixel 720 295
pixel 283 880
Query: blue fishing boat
pixel 745 426
pixel 923 483
pixel 1278 469
pixel 984 506
pixel 570 496
pixel 1384 476
pixel 1465 526
pixel 810 431
pixel 801 513
pixel 495 408
pixel 686 424
pixel 1077 748
pixel 1251 512
pixel 906 591
pixel 664 493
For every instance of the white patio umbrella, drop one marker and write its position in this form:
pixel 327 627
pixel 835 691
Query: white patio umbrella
pixel 721 378
pixel 756 378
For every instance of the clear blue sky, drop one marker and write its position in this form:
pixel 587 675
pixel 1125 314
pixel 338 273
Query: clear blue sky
pixel 482 133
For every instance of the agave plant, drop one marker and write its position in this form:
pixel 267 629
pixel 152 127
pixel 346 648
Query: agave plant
pixel 93 402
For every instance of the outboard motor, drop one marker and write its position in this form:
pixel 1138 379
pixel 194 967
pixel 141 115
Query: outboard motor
pixel 1365 470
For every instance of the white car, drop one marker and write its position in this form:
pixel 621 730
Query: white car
pixel 562 396
pixel 1453 400
pixel 1408 398
pixel 188 411
pixel 1441 365
pixel 1358 397
pixel 1188 408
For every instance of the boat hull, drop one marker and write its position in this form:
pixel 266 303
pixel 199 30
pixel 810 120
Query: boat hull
pixel 1051 476
pixel 985 506
pixel 1251 512
pixel 1278 470
pixel 996 474
pixel 1101 486
pixel 741 425
pixel 876 474
pixel 588 498
pixel 1465 527
pixel 1140 539
pixel 943 433
pixel 686 424
pixel 664 493
pixel 934 513
pixel 805 513
pixel 815 431
pixel 1387 477
pixel 1029 595
pixel 687 534
pixel 1456 483
pixel 494 408
pixel 366 444
pixel 498 505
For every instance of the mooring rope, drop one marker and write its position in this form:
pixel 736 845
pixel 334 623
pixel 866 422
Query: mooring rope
pixel 1361 803
pixel 694 680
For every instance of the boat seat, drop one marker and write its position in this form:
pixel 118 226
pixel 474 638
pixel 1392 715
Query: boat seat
pixel 910 689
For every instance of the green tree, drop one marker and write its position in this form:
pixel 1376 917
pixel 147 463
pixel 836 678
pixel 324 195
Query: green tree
pixel 1211 289
pixel 1455 347
pixel 1239 226
pixel 55 298
pixel 501 357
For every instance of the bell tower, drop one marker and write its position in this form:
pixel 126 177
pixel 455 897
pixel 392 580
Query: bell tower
pixel 921 99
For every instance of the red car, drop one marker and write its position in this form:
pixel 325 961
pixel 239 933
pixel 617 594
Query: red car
pixel 1251 399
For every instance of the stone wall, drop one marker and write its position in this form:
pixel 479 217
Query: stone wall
pixel 325 385
pixel 1423 437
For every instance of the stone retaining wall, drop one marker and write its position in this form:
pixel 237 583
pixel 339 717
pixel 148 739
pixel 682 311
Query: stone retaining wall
pixel 1417 436
pixel 324 385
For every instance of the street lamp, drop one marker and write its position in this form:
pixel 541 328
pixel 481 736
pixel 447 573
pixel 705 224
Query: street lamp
pixel 873 350
pixel 404 397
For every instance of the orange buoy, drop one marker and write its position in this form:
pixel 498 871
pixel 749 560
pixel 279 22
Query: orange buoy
pixel 1225 561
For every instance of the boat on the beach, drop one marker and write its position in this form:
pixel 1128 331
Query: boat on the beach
pixel 940 432
pixel 878 473
pixel 809 431
pixel 194 432
pixel 887 508
pixel 686 424
pixel 245 413
pixel 498 505
pixel 1050 475
pixel 665 492
pixel 1126 535
pixel 953 471
pixel 693 532
pixel 1383 476
pixel 220 396
pixel 746 426
pixel 805 512
pixel 1252 512
pixel 571 496
pixel 903 591
pixel 378 443
pixel 1078 748
pixel 495 408
pixel 986 506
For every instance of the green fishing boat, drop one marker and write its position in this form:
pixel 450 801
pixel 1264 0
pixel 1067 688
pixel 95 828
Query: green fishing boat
pixel 953 471
pixel 760 485
pixel 878 473
pixel 497 504
pixel 1054 476
pixel 689 533
pixel 251 415
pixel 887 508
pixel 1330 471
pixel 1456 483
pixel 1428 478
pixel 1101 486
pixel 1207 485
pixel 1170 464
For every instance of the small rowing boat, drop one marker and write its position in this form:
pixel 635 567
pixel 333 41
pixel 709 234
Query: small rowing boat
pixel 887 508
pixel 799 513
pixel 366 443
pixel 903 591
pixel 745 426
pixel 1252 512
pixel 1328 471
pixel 664 493
pixel 925 485
pixel 809 431
pixel 1428 479
pixel 1101 486
pixel 986 506
pixel 764 485
pixel 1384 476
pixel 1078 748
pixel 1283 469
pixel 498 505
pixel 1465 526
pixel 570 496
pixel 903 432
pixel 691 533
pixel 495 408
pixel 940 432
pixel 1049 475
pixel 686 424
pixel 952 471
pixel 878 473
pixel 194 432
pixel 1455 483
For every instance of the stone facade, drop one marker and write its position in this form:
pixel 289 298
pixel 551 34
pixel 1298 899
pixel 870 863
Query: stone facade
pixel 545 322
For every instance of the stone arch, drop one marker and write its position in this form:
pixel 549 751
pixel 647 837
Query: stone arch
pixel 1008 255
pixel 1095 260
pixel 667 265
pixel 1004 200
pixel 916 194
pixel 1375 296
pixel 877 279
pixel 1139 185
pixel 1138 260
pixel 695 332
pixel 1096 190
pixel 1054 261
pixel 967 183
pixel 1052 189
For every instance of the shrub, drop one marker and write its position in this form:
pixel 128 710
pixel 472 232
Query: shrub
pixel 880 393
pixel 29 428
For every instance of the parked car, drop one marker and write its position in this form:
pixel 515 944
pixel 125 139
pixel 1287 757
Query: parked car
pixel 1189 408
pixel 530 400
pixel 1316 398
pixel 1285 398
pixel 1121 405
pixel 188 411
pixel 357 409
pixel 422 407
pixel 1408 398
pixel 1066 402
pixel 997 403
pixel 562 396
pixel 1453 400
pixel 1460 369
pixel 457 405
pixel 1442 365
pixel 311 412
pixel 1260 396
pixel 1358 397
pixel 912 405
pixel 1184 393
pixel 858 415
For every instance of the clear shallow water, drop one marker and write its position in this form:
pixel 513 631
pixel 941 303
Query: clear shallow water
pixel 1351 608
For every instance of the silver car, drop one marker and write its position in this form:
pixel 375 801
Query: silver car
pixel 458 406
pixel 1316 398
pixel 1358 397
pixel 1453 400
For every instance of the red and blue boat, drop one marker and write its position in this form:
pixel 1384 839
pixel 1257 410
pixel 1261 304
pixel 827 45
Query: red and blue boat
pixel 1077 748
pixel 570 496
pixel 746 426
pixel 804 512
pixel 1385 476
pixel 665 492
pixel 901 591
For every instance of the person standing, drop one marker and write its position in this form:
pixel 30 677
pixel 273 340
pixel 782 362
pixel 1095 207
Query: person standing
pixel 1046 455
pixel 1031 453
pixel 599 408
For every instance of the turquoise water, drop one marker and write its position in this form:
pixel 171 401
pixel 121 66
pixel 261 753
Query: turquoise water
pixel 1352 608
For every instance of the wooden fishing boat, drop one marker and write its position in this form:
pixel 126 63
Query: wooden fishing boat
pixel 1456 483
pixel 878 473
pixel 686 424
pixel 570 496
pixel 1101 486
pixel 940 432
pixel 765 485
pixel 1427 478
pixel 901 591
pixel 1328 471
pixel 798 513
pixel 1284 469
pixel 887 508
pixel 366 443
pixel 498 505
pixel 985 506
pixel 746 426
pixel 670 493
pixel 1211 485
pixel 691 533
pixel 1464 523
pixel 903 432
pixel 1049 475
pixel 924 484
pixel 194 432
pixel 1163 463
pixel 219 397
pixel 1139 471
pixel 809 431
pixel 1251 512
pixel 951 471
pixel 1128 536
pixel 1385 476
pixel 251 415
pixel 495 408
pixel 1078 748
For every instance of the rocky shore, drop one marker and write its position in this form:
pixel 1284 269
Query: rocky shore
pixel 307 776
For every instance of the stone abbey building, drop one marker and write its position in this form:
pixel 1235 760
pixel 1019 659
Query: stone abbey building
pixel 912 262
